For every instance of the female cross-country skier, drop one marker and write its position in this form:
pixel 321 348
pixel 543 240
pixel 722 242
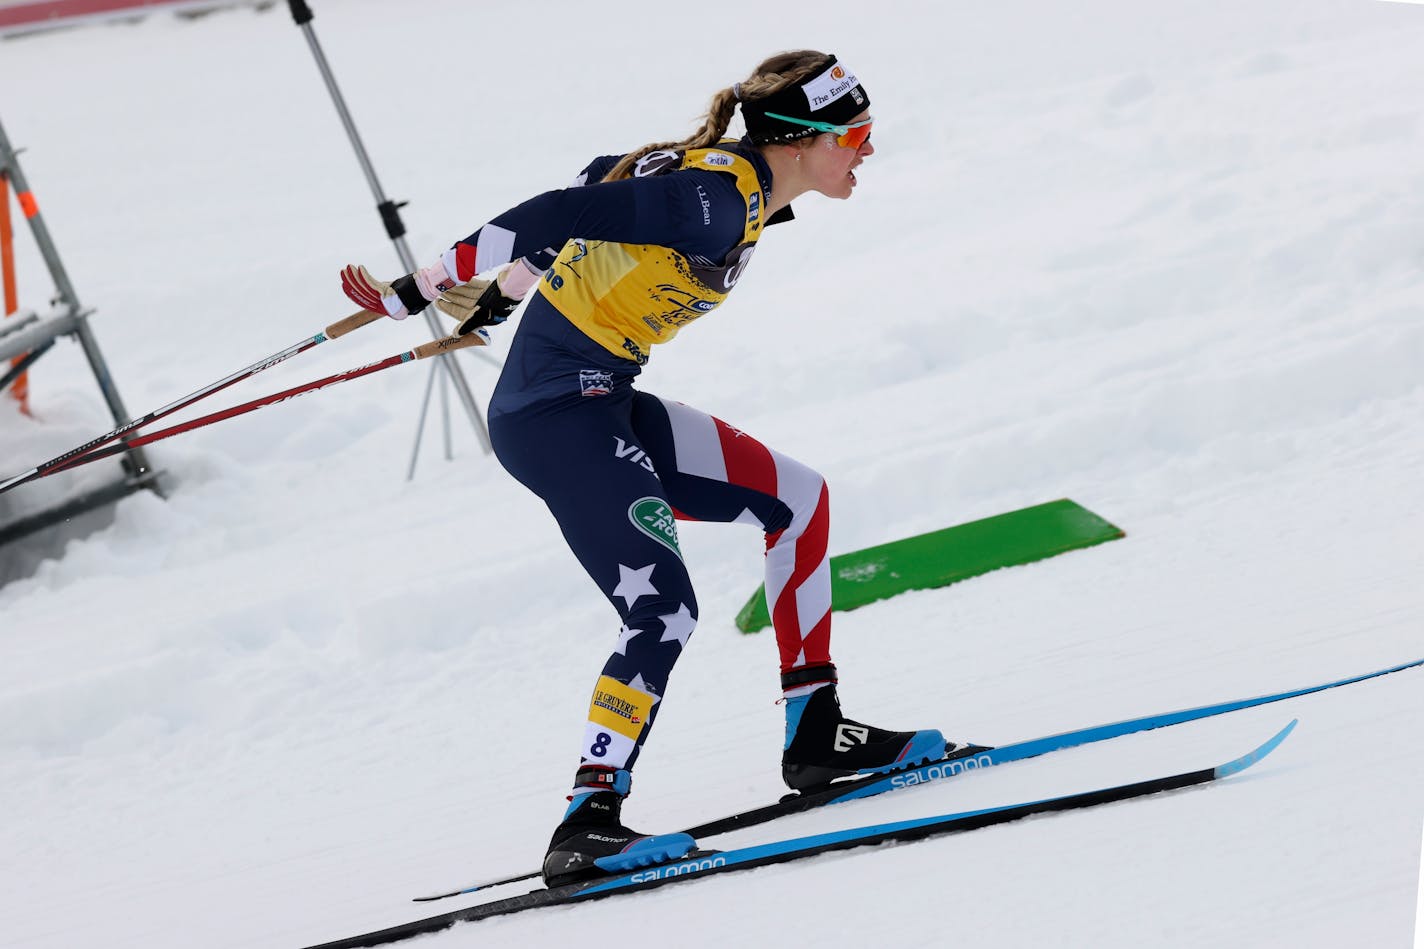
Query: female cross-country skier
pixel 639 246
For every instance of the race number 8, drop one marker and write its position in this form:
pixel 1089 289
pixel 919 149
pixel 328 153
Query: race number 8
pixel 600 744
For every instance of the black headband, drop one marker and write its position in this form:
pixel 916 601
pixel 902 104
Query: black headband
pixel 831 94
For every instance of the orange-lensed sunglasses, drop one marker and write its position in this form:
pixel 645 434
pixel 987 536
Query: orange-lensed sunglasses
pixel 847 136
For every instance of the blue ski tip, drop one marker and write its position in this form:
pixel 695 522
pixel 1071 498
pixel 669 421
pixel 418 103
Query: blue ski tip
pixel 1250 758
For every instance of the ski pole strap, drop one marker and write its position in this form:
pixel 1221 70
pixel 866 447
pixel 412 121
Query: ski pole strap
pixel 808 675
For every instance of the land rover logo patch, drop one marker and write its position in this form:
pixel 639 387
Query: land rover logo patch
pixel 653 517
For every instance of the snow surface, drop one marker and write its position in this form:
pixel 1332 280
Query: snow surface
pixel 1163 259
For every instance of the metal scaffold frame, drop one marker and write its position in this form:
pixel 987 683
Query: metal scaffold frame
pixel 30 335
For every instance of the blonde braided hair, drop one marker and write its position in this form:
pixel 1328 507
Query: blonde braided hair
pixel 773 75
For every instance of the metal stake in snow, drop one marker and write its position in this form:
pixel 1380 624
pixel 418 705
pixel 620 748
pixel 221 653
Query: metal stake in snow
pixel 395 230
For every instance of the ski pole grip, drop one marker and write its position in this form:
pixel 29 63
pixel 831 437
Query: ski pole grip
pixel 447 344
pixel 353 322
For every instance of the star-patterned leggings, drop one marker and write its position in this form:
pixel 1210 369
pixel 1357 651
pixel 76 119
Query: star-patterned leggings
pixel 615 467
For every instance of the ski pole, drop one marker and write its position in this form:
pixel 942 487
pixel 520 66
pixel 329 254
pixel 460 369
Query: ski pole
pixel 433 348
pixel 339 328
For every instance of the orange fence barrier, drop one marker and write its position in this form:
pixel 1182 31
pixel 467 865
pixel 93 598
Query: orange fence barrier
pixel 21 388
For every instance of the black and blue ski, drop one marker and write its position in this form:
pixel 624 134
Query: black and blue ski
pixel 960 763
pixel 783 851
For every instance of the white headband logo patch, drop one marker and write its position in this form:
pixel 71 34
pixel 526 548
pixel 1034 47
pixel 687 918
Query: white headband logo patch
pixel 829 86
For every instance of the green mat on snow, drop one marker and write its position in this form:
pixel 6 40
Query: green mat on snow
pixel 946 556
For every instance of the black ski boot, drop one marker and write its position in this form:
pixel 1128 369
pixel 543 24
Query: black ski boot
pixel 822 744
pixel 592 841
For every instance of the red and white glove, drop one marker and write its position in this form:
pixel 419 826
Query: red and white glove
pixel 399 298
